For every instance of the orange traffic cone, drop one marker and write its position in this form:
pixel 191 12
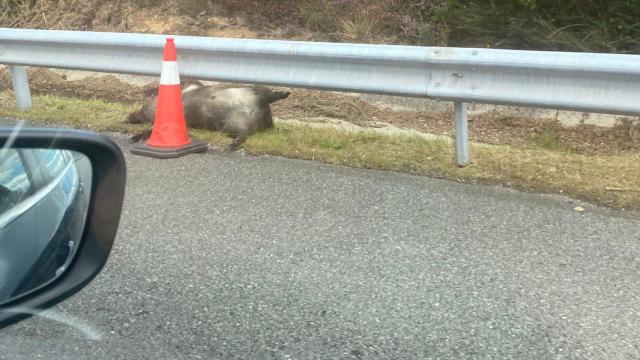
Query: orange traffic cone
pixel 169 136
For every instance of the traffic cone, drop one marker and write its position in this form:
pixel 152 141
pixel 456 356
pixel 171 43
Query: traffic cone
pixel 169 136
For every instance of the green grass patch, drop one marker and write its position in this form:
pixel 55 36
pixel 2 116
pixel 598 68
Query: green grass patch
pixel 78 113
pixel 613 180
pixel 548 139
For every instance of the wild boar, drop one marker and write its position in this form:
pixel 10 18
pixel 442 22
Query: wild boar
pixel 236 110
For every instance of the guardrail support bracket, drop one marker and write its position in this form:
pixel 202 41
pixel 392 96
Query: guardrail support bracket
pixel 21 87
pixel 462 134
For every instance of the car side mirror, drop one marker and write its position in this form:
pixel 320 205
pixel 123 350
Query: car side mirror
pixel 61 194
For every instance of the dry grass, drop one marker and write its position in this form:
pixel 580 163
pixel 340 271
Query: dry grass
pixel 106 87
pixel 364 29
pixel 612 180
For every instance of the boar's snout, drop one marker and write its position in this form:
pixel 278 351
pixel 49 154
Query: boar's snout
pixel 136 117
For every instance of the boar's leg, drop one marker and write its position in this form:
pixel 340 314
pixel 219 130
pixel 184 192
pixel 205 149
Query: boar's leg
pixel 239 124
pixel 143 135
pixel 237 141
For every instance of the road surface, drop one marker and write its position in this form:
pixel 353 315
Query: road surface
pixel 228 256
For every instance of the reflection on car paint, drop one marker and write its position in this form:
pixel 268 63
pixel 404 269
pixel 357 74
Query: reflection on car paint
pixel 37 245
pixel 14 184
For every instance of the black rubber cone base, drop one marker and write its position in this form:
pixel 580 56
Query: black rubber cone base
pixel 169 152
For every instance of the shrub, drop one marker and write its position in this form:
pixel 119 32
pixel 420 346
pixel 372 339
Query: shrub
pixel 569 25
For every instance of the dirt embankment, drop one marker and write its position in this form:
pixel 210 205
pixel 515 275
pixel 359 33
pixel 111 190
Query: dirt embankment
pixel 372 21
pixel 144 16
pixel 318 106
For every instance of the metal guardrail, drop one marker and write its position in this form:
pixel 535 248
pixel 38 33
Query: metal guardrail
pixel 606 83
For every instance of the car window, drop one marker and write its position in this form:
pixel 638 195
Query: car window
pixel 54 161
pixel 14 182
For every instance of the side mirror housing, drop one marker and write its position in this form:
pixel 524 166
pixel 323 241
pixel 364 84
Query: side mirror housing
pixel 70 185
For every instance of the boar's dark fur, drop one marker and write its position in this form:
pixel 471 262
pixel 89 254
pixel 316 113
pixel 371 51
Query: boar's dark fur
pixel 236 110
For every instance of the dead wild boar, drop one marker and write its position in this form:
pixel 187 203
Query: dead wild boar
pixel 236 110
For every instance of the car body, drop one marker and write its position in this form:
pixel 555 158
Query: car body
pixel 42 211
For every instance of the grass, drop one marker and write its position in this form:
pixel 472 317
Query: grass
pixel 78 113
pixel 360 29
pixel 548 139
pixel 610 180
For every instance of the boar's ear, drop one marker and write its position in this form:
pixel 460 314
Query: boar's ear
pixel 187 82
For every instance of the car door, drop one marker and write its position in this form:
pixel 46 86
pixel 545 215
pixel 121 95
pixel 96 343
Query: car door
pixel 16 251
pixel 57 228
pixel 58 174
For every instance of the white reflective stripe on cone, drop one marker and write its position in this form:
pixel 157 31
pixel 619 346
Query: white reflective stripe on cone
pixel 169 74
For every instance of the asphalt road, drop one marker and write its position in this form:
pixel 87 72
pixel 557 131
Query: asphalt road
pixel 229 256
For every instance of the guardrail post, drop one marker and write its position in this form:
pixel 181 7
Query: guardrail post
pixel 21 87
pixel 462 134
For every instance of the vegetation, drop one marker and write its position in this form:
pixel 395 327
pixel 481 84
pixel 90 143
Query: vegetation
pixel 611 180
pixel 569 25
pixel 548 139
